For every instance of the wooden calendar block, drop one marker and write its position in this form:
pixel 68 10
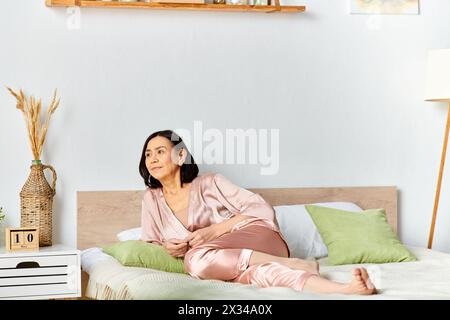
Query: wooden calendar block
pixel 22 239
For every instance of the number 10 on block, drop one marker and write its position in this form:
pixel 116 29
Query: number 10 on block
pixel 22 239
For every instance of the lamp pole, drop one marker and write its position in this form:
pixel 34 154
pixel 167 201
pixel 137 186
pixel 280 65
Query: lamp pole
pixel 438 188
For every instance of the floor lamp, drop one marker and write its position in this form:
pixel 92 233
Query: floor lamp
pixel 438 89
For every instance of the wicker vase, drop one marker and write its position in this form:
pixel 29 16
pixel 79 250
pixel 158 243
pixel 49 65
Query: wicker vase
pixel 36 200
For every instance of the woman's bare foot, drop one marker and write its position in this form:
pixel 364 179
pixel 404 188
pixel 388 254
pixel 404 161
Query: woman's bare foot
pixel 360 283
pixel 307 265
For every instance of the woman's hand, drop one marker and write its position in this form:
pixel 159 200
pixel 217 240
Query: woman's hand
pixel 176 247
pixel 203 235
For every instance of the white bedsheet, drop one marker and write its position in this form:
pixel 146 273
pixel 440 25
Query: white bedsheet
pixel 427 278
pixel 90 257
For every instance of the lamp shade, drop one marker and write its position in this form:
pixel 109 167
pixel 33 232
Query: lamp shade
pixel 438 75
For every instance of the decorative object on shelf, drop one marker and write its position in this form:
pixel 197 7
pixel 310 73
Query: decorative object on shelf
pixel 2 216
pixel 258 2
pixel 36 197
pixel 237 2
pixel 384 6
pixel 438 90
pixel 17 239
pixel 275 7
pixel 178 1
pixel 219 1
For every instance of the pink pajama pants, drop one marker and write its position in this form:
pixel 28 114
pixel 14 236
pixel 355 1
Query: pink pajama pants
pixel 227 258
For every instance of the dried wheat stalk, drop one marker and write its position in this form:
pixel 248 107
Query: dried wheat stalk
pixel 31 110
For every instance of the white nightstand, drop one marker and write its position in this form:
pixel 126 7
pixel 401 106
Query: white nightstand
pixel 52 272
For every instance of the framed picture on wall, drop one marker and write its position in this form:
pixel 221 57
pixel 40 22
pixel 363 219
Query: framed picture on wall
pixel 384 6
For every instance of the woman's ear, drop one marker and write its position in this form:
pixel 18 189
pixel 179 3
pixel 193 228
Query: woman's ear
pixel 182 156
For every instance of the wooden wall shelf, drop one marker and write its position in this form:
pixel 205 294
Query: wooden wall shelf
pixel 174 6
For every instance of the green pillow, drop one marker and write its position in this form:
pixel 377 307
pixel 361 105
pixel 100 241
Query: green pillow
pixel 136 253
pixel 358 237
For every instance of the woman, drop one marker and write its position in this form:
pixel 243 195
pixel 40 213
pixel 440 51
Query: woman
pixel 223 231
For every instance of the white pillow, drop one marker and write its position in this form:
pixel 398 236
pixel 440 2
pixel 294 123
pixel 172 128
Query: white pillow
pixel 299 230
pixel 130 234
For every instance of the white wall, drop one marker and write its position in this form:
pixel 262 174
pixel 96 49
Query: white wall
pixel 346 92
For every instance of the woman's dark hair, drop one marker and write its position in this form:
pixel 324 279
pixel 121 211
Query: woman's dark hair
pixel 188 170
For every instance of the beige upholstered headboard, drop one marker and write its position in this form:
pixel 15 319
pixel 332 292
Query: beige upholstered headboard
pixel 103 214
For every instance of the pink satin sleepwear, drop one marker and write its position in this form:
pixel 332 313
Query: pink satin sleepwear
pixel 214 199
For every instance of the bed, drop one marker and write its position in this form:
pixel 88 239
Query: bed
pixel 103 214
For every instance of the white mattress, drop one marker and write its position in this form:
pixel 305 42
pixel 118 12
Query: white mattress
pixel 427 278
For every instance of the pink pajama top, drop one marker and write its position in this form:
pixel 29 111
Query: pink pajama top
pixel 213 199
